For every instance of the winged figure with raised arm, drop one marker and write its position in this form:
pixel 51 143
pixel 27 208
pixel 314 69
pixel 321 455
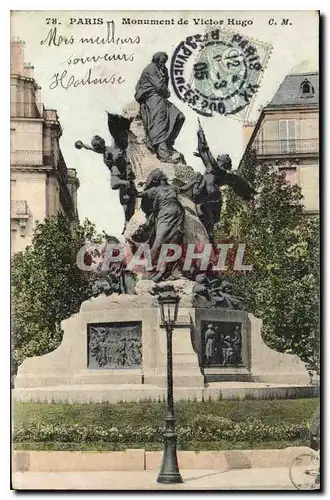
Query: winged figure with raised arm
pixel 115 158
pixel 206 188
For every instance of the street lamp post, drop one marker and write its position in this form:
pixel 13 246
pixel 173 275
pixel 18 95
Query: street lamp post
pixel 168 300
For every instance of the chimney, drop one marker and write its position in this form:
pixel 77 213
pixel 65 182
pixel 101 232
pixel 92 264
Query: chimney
pixel 28 70
pixel 17 57
pixel 248 128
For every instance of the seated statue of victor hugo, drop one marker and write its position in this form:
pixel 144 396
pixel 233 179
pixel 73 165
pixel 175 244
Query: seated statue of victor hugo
pixel 161 119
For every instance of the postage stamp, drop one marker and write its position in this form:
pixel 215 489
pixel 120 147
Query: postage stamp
pixel 219 72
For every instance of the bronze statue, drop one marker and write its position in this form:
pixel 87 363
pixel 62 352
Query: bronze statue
pixel 209 343
pixel 226 349
pixel 206 188
pixel 162 120
pixel 116 279
pixel 115 158
pixel 237 346
pixel 214 292
pixel 165 220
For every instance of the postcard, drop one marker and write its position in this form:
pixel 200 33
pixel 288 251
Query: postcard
pixel 165 250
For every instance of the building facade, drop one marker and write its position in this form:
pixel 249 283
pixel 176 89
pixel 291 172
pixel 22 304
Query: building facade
pixel 41 183
pixel 287 133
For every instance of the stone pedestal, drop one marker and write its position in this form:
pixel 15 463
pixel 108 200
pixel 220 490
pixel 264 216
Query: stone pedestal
pixel 267 365
pixel 114 349
pixel 186 370
pixel 71 363
pixel 258 362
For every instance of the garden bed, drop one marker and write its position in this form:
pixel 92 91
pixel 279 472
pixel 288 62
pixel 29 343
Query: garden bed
pixel 213 425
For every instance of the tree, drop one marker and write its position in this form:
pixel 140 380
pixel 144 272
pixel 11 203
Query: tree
pixel 282 245
pixel 47 285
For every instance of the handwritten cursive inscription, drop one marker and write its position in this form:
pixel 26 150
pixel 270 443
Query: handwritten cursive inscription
pixel 54 38
pixel 65 81
pixel 73 61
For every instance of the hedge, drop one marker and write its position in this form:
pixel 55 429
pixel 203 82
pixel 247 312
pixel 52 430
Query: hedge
pixel 202 428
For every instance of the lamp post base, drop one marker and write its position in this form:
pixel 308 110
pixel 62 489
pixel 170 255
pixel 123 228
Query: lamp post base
pixel 169 471
pixel 169 478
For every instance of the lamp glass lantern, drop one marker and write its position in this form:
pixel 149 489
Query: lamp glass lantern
pixel 169 307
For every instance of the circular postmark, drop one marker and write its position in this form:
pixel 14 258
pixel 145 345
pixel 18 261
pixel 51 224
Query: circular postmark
pixel 217 72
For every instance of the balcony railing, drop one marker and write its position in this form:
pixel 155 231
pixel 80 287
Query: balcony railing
pixel 286 146
pixel 26 157
pixel 32 157
pixel 26 109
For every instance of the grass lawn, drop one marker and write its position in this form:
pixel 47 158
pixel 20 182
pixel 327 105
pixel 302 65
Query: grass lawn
pixel 134 414
pixel 294 411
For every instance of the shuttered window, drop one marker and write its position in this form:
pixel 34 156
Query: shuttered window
pixel 288 135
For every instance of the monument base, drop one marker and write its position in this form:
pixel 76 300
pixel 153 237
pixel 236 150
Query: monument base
pixel 214 391
pixel 115 349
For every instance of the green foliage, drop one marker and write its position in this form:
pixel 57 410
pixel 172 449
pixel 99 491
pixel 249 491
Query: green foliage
pixel 212 428
pixel 282 244
pixel 47 285
pixel 134 414
pixel 212 425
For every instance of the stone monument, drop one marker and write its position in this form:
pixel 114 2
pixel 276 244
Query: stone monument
pixel 114 348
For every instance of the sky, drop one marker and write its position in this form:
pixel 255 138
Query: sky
pixel 81 110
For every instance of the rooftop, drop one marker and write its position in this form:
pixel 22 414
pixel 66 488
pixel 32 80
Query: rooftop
pixel 298 88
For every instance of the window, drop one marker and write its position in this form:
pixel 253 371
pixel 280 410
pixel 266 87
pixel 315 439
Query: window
pixel 12 138
pixel 288 134
pixel 306 89
pixel 259 142
pixel 290 174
